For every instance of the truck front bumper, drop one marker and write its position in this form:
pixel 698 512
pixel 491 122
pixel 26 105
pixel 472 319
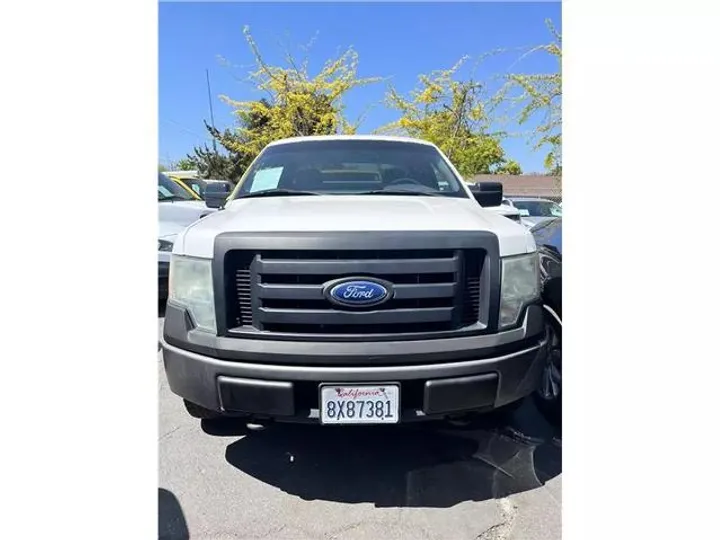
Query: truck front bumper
pixel 269 379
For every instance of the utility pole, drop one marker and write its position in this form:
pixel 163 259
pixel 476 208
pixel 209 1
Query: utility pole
pixel 212 117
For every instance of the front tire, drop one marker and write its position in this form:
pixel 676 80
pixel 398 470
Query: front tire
pixel 548 396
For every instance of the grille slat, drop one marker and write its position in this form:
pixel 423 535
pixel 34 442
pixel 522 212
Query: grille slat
pixel 397 279
pixel 392 267
pixel 283 291
pixel 332 317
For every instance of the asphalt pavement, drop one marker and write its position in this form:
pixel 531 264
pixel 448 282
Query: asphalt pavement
pixel 299 482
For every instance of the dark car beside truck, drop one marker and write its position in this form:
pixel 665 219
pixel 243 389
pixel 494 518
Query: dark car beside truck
pixel 548 237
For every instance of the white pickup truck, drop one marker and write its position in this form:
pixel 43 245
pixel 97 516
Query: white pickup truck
pixel 353 280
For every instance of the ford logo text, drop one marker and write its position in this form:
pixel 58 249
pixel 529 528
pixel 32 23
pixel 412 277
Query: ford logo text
pixel 356 292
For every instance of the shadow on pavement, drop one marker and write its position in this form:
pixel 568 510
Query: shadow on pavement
pixel 171 519
pixel 425 465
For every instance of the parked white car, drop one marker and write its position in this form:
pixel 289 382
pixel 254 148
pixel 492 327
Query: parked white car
pixel 535 210
pixel 176 210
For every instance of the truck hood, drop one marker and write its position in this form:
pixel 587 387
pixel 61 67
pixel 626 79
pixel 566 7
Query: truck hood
pixel 352 213
pixel 503 210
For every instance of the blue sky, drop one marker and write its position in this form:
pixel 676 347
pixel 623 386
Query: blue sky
pixel 394 40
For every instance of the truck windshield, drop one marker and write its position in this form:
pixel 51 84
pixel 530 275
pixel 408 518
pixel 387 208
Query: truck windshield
pixel 170 191
pixel 347 167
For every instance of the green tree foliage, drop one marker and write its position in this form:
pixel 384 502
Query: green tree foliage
pixel 232 159
pixel 297 103
pixel 211 163
pixel 538 96
pixel 450 114
pixel 186 164
pixel 510 167
pixel 236 142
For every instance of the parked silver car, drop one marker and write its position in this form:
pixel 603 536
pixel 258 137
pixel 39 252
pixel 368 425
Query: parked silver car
pixel 176 210
pixel 535 210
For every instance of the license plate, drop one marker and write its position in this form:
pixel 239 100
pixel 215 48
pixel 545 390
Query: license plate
pixel 360 404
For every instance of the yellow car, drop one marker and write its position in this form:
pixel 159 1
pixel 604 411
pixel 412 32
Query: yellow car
pixel 187 185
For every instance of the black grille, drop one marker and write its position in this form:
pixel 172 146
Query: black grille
pixel 238 289
pixel 471 291
pixel 281 291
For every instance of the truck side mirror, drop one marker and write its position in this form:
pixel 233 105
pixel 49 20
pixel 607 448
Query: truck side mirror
pixel 488 193
pixel 216 193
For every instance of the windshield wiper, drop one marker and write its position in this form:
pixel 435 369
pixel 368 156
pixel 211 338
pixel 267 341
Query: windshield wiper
pixel 172 198
pixel 400 192
pixel 277 193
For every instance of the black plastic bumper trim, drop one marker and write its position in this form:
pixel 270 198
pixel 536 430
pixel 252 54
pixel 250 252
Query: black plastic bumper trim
pixel 460 393
pixel 272 398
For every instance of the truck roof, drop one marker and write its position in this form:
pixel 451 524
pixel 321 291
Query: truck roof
pixel 308 138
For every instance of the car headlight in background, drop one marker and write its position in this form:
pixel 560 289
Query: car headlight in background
pixel 520 286
pixel 191 286
pixel 165 245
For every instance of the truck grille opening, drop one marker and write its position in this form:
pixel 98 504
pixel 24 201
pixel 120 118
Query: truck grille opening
pixel 471 286
pixel 282 291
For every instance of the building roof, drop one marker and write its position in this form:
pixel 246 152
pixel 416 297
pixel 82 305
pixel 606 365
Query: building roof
pixel 524 185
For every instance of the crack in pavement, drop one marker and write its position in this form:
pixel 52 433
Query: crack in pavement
pixel 166 435
pixel 553 497
pixel 501 531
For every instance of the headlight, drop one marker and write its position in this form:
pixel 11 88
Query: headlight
pixel 191 286
pixel 165 245
pixel 520 286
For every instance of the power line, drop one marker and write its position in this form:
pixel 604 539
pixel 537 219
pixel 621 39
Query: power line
pixel 212 117
pixel 183 128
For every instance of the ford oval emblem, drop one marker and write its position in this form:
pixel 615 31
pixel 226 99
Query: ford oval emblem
pixel 356 292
